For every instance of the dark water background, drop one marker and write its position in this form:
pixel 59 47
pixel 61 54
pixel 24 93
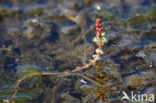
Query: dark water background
pixel 56 35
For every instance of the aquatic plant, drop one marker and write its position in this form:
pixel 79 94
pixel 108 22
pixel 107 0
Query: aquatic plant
pixel 99 87
pixel 26 72
pixel 6 48
pixel 4 12
pixel 36 11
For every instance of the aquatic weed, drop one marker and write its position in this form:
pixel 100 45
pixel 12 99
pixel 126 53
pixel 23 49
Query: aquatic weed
pixel 26 72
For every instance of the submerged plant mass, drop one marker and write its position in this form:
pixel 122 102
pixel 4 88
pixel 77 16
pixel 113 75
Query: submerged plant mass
pixel 76 51
pixel 24 72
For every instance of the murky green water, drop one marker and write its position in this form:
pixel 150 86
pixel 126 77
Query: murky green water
pixel 56 35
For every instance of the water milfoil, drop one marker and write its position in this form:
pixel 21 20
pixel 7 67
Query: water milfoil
pixel 100 40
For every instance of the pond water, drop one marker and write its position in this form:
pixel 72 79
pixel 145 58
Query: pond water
pixel 56 35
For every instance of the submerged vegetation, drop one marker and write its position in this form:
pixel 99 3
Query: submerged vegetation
pixel 47 54
pixel 26 72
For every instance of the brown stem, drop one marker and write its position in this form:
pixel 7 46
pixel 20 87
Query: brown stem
pixel 100 45
pixel 16 89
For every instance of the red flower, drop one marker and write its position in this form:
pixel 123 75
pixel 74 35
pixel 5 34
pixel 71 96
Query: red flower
pixel 99 27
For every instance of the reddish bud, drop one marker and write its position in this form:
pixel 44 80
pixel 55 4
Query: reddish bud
pixel 102 28
pixel 100 24
pixel 97 25
pixel 97 29
pixel 98 21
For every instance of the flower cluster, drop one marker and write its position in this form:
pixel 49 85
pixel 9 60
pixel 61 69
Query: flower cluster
pixel 100 33
pixel 100 38
pixel 99 27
